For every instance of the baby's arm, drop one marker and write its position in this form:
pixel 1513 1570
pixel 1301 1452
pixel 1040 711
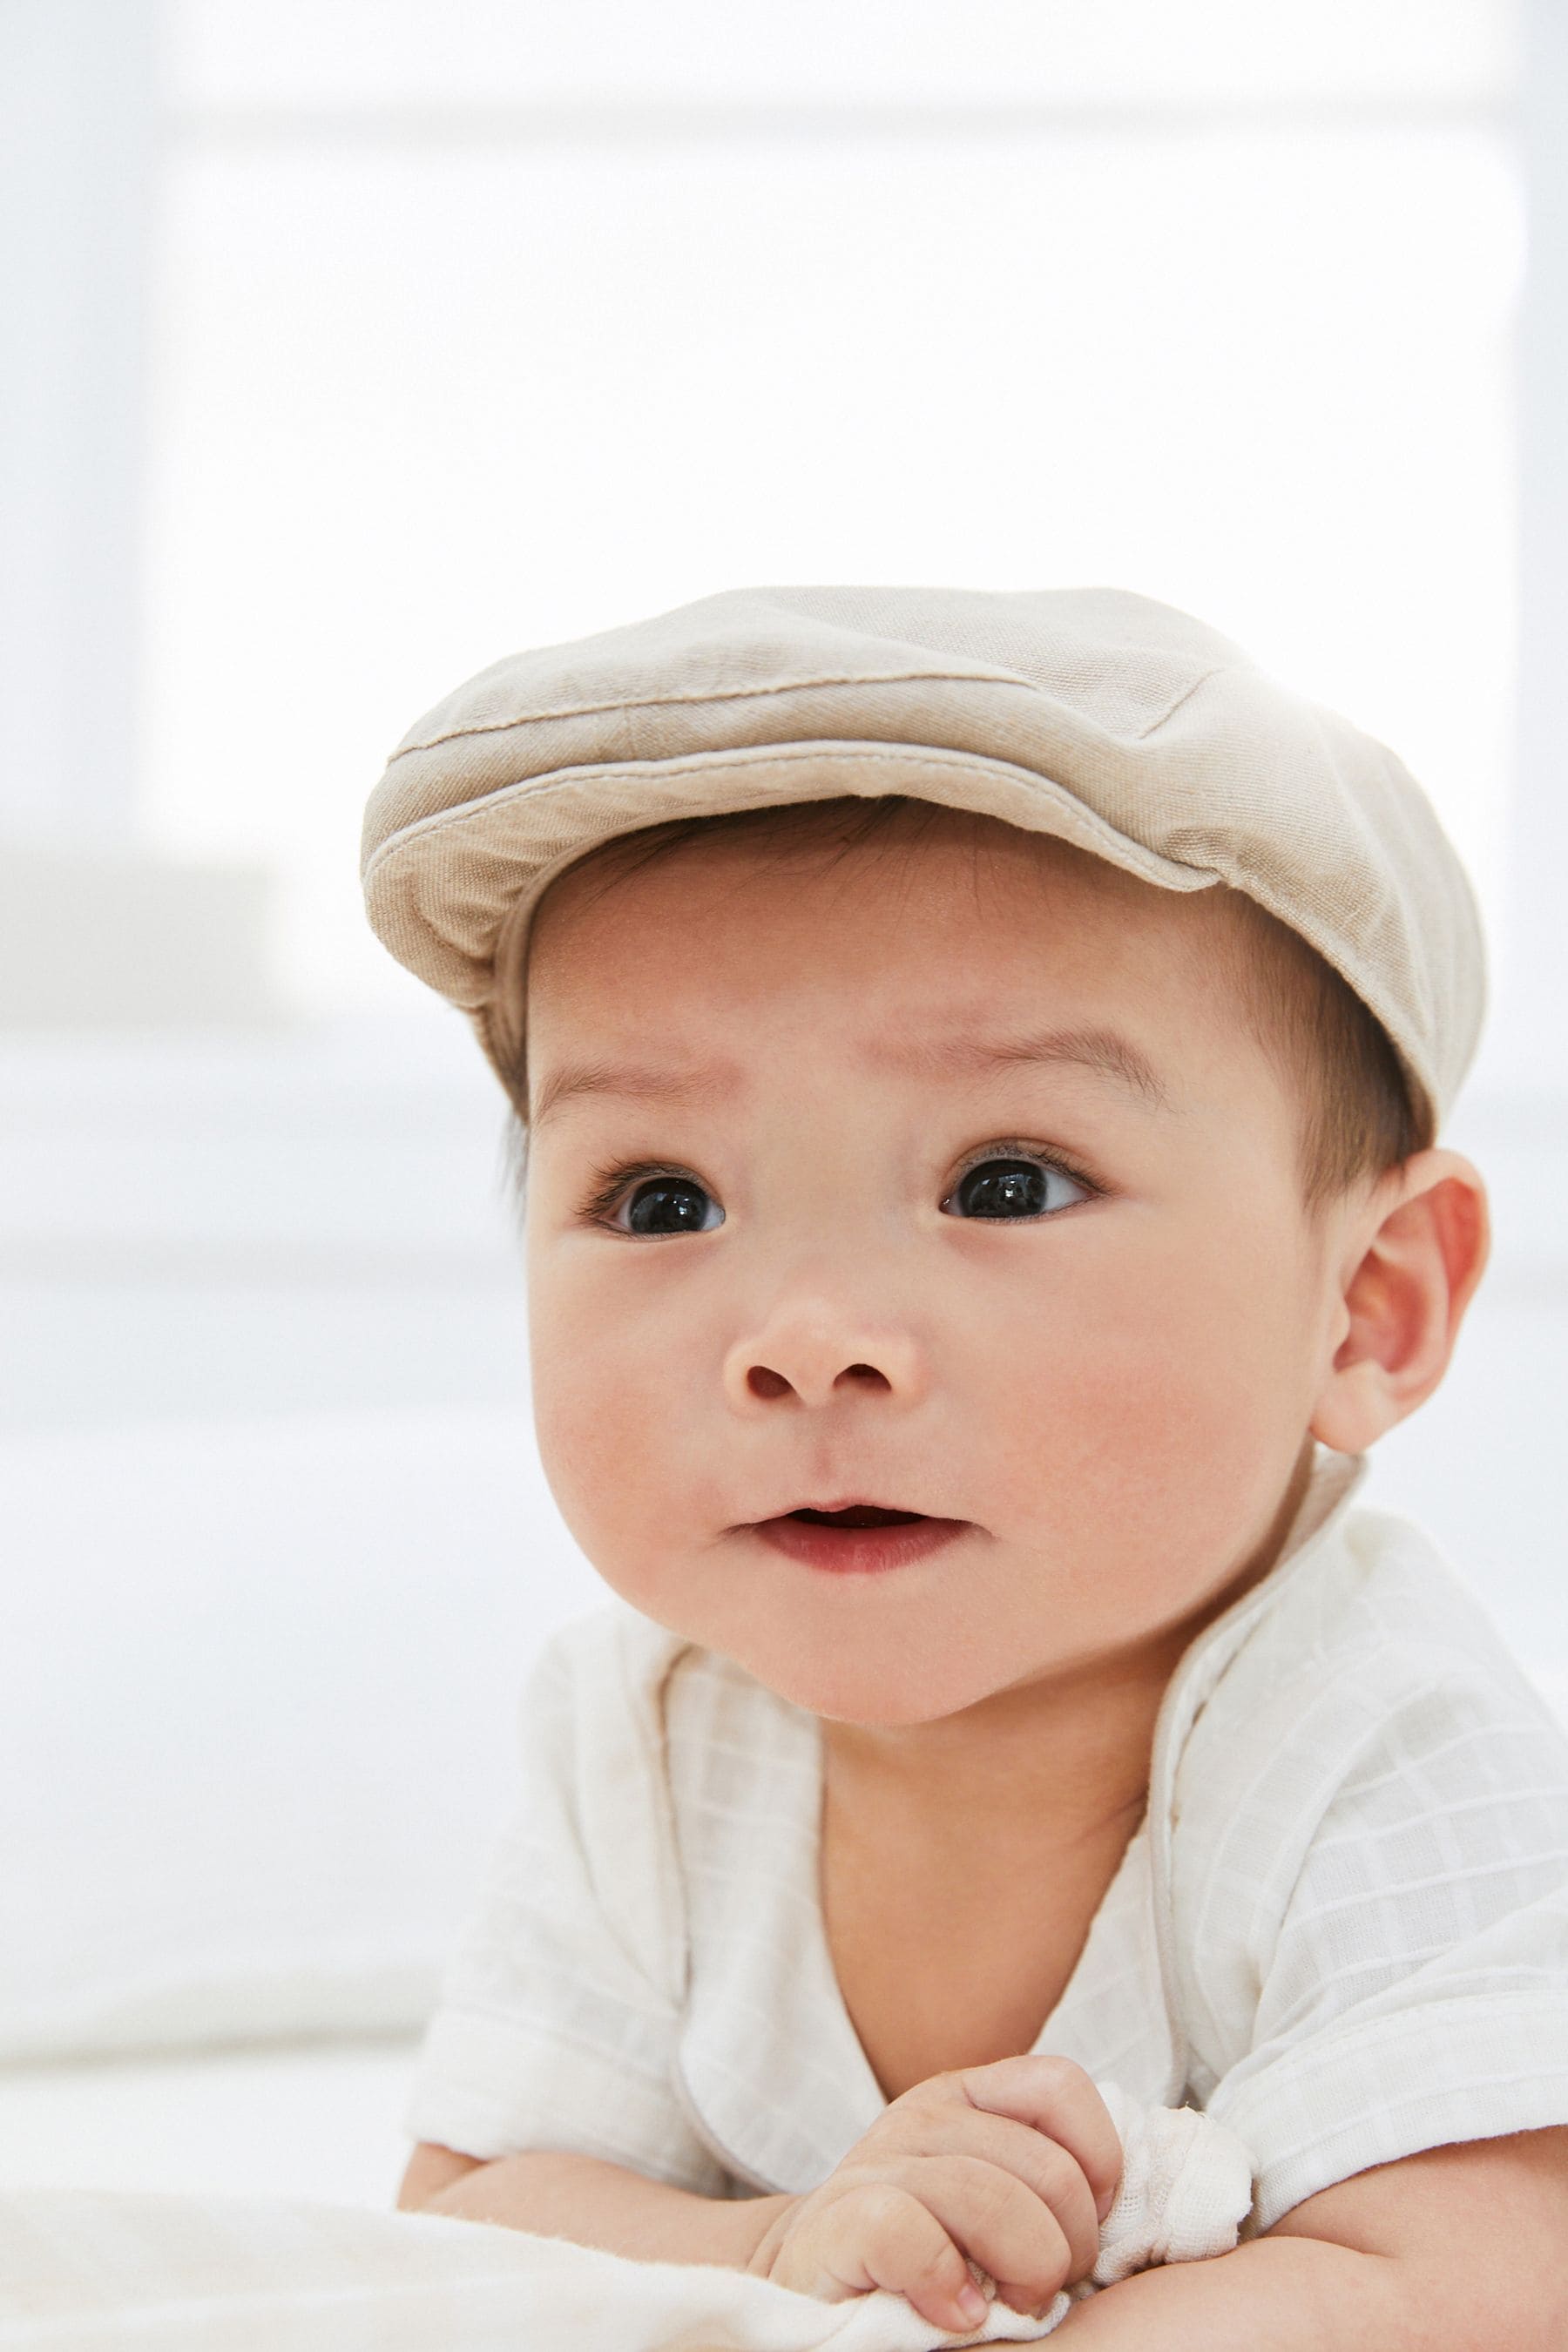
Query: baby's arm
pixel 592 2202
pixel 1014 2164
pixel 1460 2249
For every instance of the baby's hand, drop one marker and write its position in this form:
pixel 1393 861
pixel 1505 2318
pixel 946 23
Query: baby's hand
pixel 1016 2164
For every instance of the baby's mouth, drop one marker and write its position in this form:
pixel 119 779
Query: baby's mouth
pixel 857 1515
pixel 856 1539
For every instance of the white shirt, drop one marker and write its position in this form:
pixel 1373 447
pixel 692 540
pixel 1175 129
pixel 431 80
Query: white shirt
pixel 1342 1928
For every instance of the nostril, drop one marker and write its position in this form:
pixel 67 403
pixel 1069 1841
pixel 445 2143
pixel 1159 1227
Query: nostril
pixel 763 1381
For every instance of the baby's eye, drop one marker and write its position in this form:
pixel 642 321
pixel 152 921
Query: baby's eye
pixel 668 1204
pixel 1009 1187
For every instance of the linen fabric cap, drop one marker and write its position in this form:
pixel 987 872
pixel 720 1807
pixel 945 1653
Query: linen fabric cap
pixel 1112 721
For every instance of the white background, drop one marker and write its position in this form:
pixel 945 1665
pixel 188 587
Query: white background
pixel 466 327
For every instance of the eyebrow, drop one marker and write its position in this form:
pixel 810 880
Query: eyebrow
pixel 1102 1051
pixel 574 1079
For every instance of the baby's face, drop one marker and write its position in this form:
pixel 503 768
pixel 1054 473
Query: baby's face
pixel 941 1174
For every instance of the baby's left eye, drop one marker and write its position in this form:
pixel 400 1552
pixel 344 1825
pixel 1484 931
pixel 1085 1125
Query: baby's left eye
pixel 1009 1188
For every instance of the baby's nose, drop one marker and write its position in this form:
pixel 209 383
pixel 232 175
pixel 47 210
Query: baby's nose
pixel 811 1359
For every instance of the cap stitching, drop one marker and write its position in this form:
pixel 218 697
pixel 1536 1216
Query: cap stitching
pixel 735 694
pixel 1185 696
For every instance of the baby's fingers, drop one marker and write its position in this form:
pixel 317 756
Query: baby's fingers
pixel 1043 2166
pixel 881 2235
pixel 1059 2099
pixel 980 2211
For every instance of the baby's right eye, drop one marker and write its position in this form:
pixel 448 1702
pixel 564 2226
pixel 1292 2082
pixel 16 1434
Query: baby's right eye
pixel 667 1205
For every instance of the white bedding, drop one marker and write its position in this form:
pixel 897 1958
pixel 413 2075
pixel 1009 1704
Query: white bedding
pixel 84 2268
pixel 82 2272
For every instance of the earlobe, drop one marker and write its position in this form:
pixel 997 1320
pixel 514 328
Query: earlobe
pixel 1404 1289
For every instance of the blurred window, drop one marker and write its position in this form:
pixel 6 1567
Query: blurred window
pixel 481 326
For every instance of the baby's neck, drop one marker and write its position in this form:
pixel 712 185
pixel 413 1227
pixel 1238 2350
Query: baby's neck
pixel 1064 1763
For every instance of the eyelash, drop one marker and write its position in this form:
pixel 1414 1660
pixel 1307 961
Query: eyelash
pixel 1013 1147
pixel 608 1184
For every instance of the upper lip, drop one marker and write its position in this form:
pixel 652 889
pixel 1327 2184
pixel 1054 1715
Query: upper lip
pixel 847 1503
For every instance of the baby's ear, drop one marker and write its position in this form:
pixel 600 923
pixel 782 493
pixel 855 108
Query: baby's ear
pixel 1410 1269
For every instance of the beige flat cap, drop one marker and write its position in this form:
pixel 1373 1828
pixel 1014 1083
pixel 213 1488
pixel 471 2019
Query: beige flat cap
pixel 1112 721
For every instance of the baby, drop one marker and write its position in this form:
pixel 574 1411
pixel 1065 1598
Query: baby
pixel 980 1057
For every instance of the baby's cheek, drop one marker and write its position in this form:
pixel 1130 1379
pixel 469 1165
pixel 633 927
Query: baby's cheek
pixel 612 1465
pixel 1163 1432
pixel 588 1449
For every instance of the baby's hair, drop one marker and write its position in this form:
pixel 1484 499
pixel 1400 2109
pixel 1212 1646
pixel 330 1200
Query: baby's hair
pixel 1359 1117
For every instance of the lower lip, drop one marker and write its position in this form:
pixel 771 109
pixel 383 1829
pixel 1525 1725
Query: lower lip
pixel 858 1551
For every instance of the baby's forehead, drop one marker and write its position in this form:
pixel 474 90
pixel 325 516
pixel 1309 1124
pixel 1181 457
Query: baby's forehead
pixel 864 884
pixel 873 854
pixel 934 925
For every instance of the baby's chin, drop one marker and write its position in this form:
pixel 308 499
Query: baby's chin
pixel 875 1688
pixel 901 1652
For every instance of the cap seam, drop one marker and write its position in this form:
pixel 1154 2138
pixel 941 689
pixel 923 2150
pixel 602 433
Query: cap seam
pixel 1185 696
pixel 905 755
pixel 731 694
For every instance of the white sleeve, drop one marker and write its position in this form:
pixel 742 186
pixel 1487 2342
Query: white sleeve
pixel 558 2017
pixel 1411 1980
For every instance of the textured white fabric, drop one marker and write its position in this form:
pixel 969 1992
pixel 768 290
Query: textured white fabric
pixel 264 2275
pixel 1185 2188
pixel 1342 1929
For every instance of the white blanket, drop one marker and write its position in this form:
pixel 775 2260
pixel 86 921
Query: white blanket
pixel 84 2269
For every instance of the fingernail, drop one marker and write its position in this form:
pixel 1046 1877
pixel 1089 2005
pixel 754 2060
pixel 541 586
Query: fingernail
pixel 971 2303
